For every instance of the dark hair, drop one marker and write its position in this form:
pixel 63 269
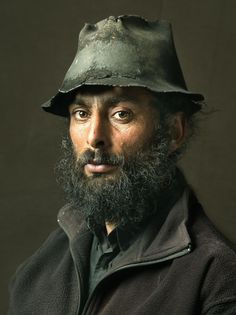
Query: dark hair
pixel 170 103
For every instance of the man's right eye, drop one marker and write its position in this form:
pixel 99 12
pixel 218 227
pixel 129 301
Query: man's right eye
pixel 80 114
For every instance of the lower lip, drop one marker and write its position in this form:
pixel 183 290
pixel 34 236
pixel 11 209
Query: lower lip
pixel 102 168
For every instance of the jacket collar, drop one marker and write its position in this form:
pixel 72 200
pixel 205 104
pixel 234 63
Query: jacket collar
pixel 154 242
pixel 172 237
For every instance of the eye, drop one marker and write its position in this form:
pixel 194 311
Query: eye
pixel 123 115
pixel 80 114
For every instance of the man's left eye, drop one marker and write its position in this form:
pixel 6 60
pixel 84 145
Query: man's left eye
pixel 122 115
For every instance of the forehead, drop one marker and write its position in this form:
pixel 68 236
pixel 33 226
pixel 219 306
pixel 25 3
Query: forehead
pixel 105 93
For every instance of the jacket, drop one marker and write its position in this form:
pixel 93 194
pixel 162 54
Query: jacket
pixel 186 268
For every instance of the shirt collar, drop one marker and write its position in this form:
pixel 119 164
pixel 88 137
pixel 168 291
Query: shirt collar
pixel 119 238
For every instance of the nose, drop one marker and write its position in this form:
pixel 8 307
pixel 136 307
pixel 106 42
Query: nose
pixel 98 134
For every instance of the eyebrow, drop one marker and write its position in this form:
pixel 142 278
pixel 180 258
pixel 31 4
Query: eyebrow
pixel 109 102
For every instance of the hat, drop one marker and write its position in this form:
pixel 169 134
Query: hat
pixel 123 51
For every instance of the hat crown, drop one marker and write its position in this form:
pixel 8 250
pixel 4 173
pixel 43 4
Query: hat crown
pixel 126 50
pixel 128 47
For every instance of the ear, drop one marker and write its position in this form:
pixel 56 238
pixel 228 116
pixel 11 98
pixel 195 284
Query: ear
pixel 178 130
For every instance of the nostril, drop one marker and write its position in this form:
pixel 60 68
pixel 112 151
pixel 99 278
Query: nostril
pixel 99 143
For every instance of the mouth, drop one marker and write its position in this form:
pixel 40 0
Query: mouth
pixel 99 168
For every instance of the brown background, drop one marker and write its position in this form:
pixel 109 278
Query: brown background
pixel 38 43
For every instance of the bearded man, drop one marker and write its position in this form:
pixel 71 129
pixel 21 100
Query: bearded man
pixel 133 238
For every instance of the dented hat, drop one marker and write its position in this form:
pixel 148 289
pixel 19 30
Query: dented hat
pixel 123 51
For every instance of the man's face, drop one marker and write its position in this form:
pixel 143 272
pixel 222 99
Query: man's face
pixel 117 163
pixel 115 121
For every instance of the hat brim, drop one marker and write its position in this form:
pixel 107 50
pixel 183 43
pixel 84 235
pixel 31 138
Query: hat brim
pixel 59 103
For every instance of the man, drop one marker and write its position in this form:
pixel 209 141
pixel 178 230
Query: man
pixel 133 239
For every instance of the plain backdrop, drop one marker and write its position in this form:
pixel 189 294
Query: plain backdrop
pixel 38 43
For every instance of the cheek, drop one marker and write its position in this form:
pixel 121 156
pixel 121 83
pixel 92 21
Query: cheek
pixel 77 137
pixel 136 138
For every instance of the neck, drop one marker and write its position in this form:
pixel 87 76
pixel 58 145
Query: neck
pixel 109 227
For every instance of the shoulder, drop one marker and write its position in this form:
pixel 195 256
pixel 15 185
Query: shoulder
pixel 54 247
pixel 207 239
pixel 216 257
pixel 42 276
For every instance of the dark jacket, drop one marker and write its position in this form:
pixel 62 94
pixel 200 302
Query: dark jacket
pixel 186 268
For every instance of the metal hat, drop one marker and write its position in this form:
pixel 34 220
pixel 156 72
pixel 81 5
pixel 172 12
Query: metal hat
pixel 123 51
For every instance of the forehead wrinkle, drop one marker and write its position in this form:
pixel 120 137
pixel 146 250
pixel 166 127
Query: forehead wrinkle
pixel 109 98
pixel 106 101
pixel 116 99
pixel 82 100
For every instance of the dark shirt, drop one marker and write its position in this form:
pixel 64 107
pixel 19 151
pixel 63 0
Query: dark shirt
pixel 107 249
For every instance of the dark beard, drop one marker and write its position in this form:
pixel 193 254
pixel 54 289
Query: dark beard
pixel 131 195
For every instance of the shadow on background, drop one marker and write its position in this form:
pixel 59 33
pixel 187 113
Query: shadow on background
pixel 39 41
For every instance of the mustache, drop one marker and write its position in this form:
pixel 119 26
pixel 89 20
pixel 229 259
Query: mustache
pixel 98 157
